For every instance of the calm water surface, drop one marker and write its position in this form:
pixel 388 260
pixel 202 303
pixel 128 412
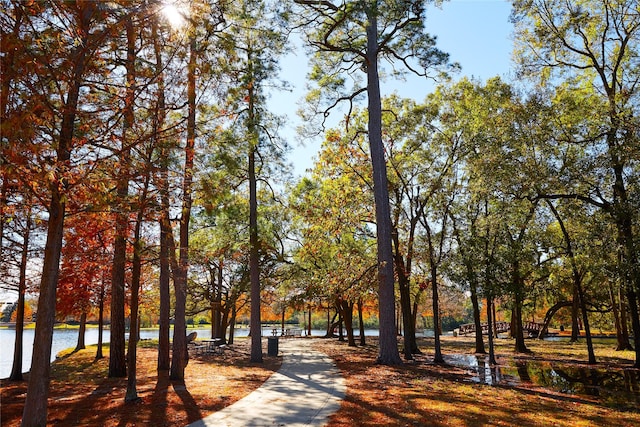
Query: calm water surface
pixel 614 387
pixel 62 340
pixel 68 338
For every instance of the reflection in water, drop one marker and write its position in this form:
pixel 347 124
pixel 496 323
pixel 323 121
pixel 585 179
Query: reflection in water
pixel 481 369
pixel 614 386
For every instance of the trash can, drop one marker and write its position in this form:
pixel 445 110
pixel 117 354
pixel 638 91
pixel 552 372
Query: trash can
pixel 272 346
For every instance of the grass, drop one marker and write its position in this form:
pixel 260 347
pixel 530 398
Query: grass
pixel 82 394
pixel 416 393
pixel 421 393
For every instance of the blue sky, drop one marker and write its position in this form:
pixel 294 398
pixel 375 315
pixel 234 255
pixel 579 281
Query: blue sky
pixel 476 33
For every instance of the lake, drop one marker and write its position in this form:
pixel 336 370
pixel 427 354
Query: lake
pixel 64 339
pixel 68 338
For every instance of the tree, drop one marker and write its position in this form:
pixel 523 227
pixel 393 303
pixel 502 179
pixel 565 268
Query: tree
pixel 85 39
pixel 180 267
pixel 117 358
pixel 471 115
pixel 423 159
pixel 136 275
pixel 501 172
pixel 161 181
pixel 577 276
pixel 84 263
pixel 592 47
pixel 332 215
pixel 352 36
pixel 16 368
pixel 255 37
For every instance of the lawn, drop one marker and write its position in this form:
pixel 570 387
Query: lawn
pixel 417 393
pixel 421 393
pixel 82 395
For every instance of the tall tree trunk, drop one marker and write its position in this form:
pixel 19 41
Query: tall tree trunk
pixel 635 323
pixel 254 268
pixel 388 351
pixel 403 268
pixel 616 317
pixel 490 320
pixel 80 345
pixel 99 354
pixel 218 331
pixel 16 369
pixel 410 343
pixel 254 253
pixel 623 213
pixel 164 283
pixel 117 361
pixel 577 282
pixel 164 220
pixel 622 331
pixel 180 353
pixel 575 313
pixel 363 341
pixel 476 319
pixel 585 321
pixel 131 394
pixel 437 358
pixel 117 356
pixel 35 406
pixel 433 269
pixel 473 286
pixel 346 307
pixel 518 333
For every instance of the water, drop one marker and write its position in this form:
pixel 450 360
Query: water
pixel 620 387
pixel 62 340
pixel 68 338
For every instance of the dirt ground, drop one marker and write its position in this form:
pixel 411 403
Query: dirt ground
pixel 423 393
pixel 416 393
pixel 82 395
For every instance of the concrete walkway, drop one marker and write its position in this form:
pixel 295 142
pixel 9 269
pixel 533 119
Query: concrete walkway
pixel 305 391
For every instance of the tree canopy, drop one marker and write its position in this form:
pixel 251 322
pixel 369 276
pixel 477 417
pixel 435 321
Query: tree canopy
pixel 140 151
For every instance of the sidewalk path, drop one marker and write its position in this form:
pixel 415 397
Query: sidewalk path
pixel 305 391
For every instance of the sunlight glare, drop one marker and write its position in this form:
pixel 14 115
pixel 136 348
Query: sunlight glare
pixel 174 14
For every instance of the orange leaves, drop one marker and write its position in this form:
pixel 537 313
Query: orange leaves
pixel 86 260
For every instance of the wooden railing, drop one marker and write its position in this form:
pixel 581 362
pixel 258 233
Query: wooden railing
pixel 501 327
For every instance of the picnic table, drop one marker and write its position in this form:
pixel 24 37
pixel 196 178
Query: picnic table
pixel 209 346
pixel 214 345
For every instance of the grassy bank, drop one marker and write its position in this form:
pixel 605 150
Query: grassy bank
pixel 417 393
pixel 421 393
pixel 81 394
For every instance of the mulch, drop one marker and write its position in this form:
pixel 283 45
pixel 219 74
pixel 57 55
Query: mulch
pixel 82 394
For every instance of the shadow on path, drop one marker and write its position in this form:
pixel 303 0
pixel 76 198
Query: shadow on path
pixel 306 390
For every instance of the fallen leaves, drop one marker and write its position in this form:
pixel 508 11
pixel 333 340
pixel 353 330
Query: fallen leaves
pixel 81 393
